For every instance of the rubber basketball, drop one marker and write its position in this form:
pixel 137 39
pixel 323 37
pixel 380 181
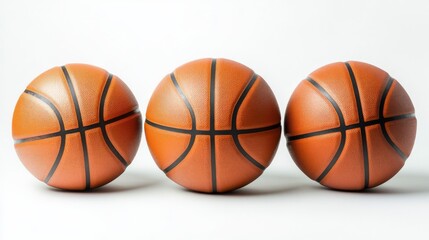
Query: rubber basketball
pixel 350 126
pixel 76 127
pixel 213 125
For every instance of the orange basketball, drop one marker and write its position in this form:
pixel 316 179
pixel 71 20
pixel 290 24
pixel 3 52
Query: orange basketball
pixel 76 127
pixel 350 126
pixel 213 125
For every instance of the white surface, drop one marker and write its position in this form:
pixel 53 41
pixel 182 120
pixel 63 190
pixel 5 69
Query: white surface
pixel 283 41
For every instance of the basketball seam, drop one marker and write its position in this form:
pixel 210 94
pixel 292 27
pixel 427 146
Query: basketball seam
pixel 341 128
pixel 76 130
pixel 361 125
pixel 382 123
pixel 61 123
pixel 216 132
pixel 212 125
pixel 102 123
pixel 237 106
pixel 81 130
pixel 193 119
pixel 349 127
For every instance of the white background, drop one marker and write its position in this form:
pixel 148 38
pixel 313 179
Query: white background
pixel 283 41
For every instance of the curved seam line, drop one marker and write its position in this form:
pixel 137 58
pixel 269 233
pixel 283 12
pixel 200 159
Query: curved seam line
pixel 234 123
pixel 212 125
pixel 76 130
pixel 382 123
pixel 361 124
pixel 103 125
pixel 342 128
pixel 313 134
pixel 135 112
pixel 170 129
pixel 191 111
pixel 81 130
pixel 63 139
pixel 216 132
pixel 348 127
pixel 256 130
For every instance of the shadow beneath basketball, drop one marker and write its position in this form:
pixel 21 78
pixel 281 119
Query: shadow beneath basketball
pixel 272 184
pixel 127 182
pixel 407 183
pixel 402 184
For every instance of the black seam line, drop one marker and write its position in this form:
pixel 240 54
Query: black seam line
pixel 81 129
pixel 63 139
pixel 216 132
pixel 342 128
pixel 63 132
pixel 103 125
pixel 234 123
pixel 191 111
pixel 212 125
pixel 120 117
pixel 361 124
pixel 352 126
pixel 382 124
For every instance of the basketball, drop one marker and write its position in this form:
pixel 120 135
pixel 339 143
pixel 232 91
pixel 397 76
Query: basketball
pixel 213 125
pixel 350 126
pixel 76 127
